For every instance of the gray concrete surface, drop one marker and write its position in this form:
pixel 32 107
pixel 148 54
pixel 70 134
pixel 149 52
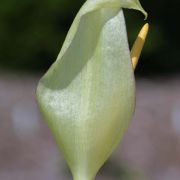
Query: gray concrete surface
pixel 150 147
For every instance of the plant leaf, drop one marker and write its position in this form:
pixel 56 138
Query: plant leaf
pixel 87 96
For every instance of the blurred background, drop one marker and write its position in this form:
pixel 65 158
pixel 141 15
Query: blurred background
pixel 31 34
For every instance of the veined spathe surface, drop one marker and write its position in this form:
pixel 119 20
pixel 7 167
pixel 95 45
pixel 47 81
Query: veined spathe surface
pixel 88 95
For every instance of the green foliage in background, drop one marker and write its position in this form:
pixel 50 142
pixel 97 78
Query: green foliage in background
pixel 31 33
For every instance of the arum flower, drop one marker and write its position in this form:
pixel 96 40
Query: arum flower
pixel 88 95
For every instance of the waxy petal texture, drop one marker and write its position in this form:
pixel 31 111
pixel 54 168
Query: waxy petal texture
pixel 88 94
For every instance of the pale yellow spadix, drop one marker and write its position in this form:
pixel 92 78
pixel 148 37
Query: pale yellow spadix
pixel 138 45
pixel 88 94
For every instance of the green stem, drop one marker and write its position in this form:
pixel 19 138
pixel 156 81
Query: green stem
pixel 81 177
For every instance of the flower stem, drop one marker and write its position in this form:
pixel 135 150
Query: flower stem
pixel 81 177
